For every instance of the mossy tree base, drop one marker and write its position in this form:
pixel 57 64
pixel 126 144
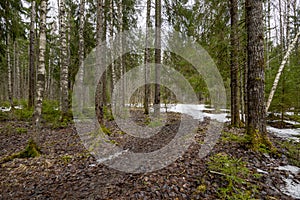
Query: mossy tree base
pixel 31 151
pixel 260 142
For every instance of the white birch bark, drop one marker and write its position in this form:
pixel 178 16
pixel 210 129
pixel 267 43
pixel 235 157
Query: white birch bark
pixel 113 73
pixel 40 85
pixel 282 65
pixel 18 73
pixel 9 71
pixel 81 53
pixel 64 97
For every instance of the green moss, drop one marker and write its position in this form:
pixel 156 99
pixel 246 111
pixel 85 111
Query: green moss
pixel 260 142
pixel 5 104
pixel 66 158
pixel 31 151
pixel 4 116
pixel 232 137
pixel 155 123
pixel 292 152
pixel 24 114
pixel 105 130
pixel 108 114
pixel 21 130
pixel 234 173
pixel 200 189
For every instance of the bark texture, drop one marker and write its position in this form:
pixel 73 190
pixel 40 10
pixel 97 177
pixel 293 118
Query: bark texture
pixel 64 71
pixel 235 108
pixel 40 86
pixel 81 53
pixel 147 59
pixel 157 56
pixel 256 112
pixel 101 85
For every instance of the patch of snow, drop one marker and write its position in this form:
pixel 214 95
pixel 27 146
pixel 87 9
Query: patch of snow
pixel 289 113
pixel 291 122
pixel 287 121
pixel 196 111
pixel 292 188
pixel 5 109
pixel 295 170
pixel 285 133
pixel 110 157
pixel 20 107
pixel 261 171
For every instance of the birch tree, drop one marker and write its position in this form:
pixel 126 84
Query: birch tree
pixel 64 71
pixel 81 52
pixel 9 71
pixel 40 84
pixel 111 32
pixel 280 70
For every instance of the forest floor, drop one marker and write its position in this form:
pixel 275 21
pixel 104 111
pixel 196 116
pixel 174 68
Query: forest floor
pixel 66 170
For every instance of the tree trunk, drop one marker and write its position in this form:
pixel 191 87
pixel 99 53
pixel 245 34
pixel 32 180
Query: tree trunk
pixel 9 72
pixel 235 108
pixel 101 85
pixel 113 73
pixel 157 56
pixel 120 30
pixel 64 71
pixel 256 126
pixel 16 71
pixel 40 86
pixel 147 59
pixel 81 53
pixel 282 65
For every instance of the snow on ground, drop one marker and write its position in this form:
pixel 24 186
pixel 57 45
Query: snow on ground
pixel 292 187
pixel 197 111
pixel 5 109
pixel 285 133
pixel 295 170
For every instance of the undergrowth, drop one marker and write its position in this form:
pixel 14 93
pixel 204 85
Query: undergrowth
pixel 292 152
pixel 234 174
pixel 51 114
